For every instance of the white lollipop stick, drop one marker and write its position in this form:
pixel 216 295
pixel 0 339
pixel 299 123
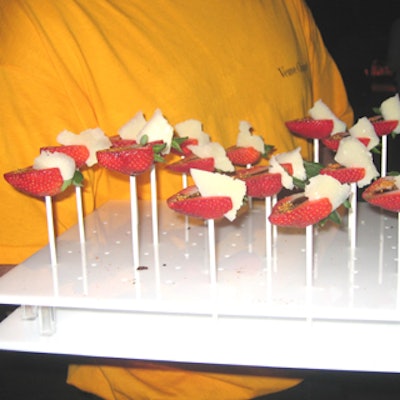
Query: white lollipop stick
pixel 384 156
pixel 250 199
pixel 79 207
pixel 184 181
pixel 50 230
pixel 154 206
pixel 352 222
pixel 268 232
pixel 134 223
pixel 316 150
pixel 398 260
pixel 211 251
pixel 309 255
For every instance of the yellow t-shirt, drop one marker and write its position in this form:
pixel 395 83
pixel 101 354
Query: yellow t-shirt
pixel 81 64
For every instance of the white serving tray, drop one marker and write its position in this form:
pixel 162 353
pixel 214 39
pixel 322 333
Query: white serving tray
pixel 94 289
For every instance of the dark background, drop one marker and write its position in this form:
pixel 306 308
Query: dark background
pixel 356 32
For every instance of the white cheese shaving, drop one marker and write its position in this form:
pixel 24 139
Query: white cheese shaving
pixel 293 158
pixel 131 129
pixel 63 162
pixel 321 111
pixel 192 128
pixel 93 139
pixel 217 152
pixel 324 186
pixel 245 138
pixel 352 153
pixel 158 129
pixel 390 110
pixel 364 129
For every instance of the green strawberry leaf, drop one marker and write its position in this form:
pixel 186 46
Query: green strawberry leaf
pixel 268 150
pixel 312 168
pixel 77 179
pixel 333 216
pixel 176 143
pixel 66 184
pixel 377 110
pixel 393 173
pixel 376 149
pixel 347 204
pixel 144 140
pixel 299 183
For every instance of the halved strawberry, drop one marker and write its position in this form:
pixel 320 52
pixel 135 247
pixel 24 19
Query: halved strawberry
pixel 383 127
pixel 189 202
pixel 184 165
pixel 36 182
pixel 311 128
pixel 384 193
pixel 129 160
pixel 298 211
pixel 243 156
pixel 343 174
pixel 80 153
pixel 259 182
pixel 118 141
pixel 332 142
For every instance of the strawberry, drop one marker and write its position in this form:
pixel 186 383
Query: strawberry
pixel 383 127
pixel 259 182
pixel 128 160
pixel 186 164
pixel 189 202
pixel 298 211
pixel 384 193
pixel 36 182
pixel 343 174
pixel 311 128
pixel 243 156
pixel 79 153
pixel 332 142
pixel 118 141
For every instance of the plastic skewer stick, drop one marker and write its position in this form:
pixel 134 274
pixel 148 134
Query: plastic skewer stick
pixel 384 155
pixel 309 255
pixel 154 206
pixel 268 232
pixel 316 150
pixel 79 207
pixel 398 260
pixel 352 223
pixel 50 230
pixel 134 223
pixel 211 250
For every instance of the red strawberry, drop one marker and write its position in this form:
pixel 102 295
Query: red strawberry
pixel 36 182
pixel 79 153
pixel 128 160
pixel 183 166
pixel 311 128
pixel 343 174
pixel 189 202
pixel 332 142
pixel 259 182
pixel 243 156
pixel 298 211
pixel 383 127
pixel 383 193
pixel 118 141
